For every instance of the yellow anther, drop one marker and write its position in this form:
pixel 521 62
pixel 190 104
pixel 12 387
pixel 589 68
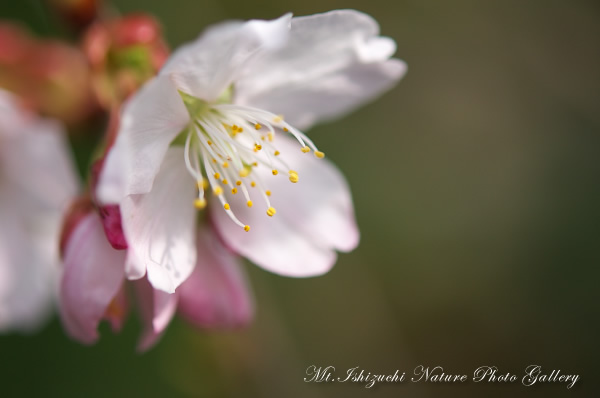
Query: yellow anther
pixel 247 228
pixel 275 172
pixel 305 149
pixel 226 206
pixel 209 142
pixel 225 165
pixel 271 212
pixel 201 184
pixel 319 154
pixel 234 127
pixel 293 176
pixel 200 203
pixel 262 137
pixel 225 181
pixel 276 153
pixel 240 130
pixel 234 190
pixel 257 126
pixel 252 184
pixel 268 193
pixel 217 190
pixel 255 164
pixel 249 203
pixel 244 172
pixel 257 147
pixel 285 129
pixel 214 160
pixel 238 183
pixel 270 135
pixel 217 176
pixel 278 118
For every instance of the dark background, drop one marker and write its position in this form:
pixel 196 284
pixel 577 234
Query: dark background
pixel 476 184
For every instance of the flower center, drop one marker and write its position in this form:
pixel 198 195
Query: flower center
pixel 225 143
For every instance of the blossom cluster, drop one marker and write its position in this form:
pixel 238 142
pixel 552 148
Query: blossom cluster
pixel 204 162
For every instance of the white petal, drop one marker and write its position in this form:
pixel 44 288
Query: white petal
pixel 94 273
pixel 38 162
pixel 333 63
pixel 314 218
pixel 27 274
pixel 160 226
pixel 206 67
pixel 150 121
pixel 12 117
pixel 37 180
pixel 331 96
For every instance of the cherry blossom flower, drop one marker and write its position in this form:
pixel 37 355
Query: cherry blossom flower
pixel 93 286
pixel 37 180
pixel 225 113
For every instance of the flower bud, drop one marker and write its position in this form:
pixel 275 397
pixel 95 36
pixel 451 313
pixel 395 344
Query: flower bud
pixel 124 53
pixel 51 77
pixel 62 78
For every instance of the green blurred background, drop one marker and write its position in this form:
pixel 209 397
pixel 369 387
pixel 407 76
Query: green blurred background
pixel 476 184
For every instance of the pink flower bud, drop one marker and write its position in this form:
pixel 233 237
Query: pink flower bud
pixel 109 214
pixel 135 29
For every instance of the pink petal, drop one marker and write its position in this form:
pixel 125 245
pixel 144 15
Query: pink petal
pixel 92 278
pixel 216 295
pixel 117 310
pixel 156 310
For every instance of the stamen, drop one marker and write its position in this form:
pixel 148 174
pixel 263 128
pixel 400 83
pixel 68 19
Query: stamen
pixel 216 137
pixel 200 203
